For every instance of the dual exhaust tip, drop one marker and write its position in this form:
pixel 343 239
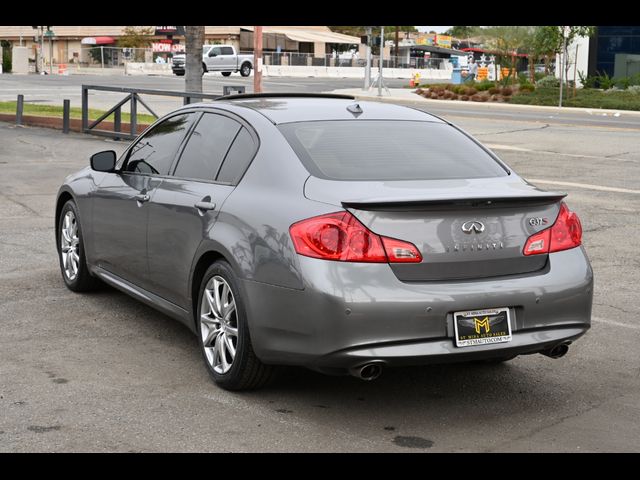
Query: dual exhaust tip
pixel 370 371
pixel 367 372
pixel 556 351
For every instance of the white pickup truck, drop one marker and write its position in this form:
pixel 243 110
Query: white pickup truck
pixel 217 58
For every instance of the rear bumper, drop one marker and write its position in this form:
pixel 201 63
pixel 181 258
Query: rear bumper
pixel 350 313
pixel 443 350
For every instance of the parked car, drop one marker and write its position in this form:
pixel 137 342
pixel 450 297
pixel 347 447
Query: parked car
pixel 323 232
pixel 217 58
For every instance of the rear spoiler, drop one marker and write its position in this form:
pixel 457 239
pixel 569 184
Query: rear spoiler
pixel 502 201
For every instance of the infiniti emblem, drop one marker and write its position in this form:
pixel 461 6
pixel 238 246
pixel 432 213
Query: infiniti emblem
pixel 473 226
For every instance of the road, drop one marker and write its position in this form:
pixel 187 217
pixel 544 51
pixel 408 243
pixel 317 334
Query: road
pixel 51 90
pixel 103 372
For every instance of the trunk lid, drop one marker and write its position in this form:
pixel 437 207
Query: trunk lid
pixel 472 228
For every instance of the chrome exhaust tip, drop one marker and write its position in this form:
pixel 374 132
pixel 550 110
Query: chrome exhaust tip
pixel 367 372
pixel 558 351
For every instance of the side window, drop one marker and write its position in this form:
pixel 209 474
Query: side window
pixel 227 51
pixel 240 155
pixel 206 147
pixel 155 151
pixel 215 50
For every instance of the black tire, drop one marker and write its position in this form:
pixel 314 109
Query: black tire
pixel 83 281
pixel 204 68
pixel 226 74
pixel 179 74
pixel 247 372
pixel 245 69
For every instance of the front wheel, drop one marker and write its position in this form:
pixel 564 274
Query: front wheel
pixel 71 251
pixel 245 70
pixel 224 333
pixel 204 68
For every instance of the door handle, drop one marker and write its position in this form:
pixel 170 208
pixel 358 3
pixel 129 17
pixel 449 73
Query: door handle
pixel 204 206
pixel 142 198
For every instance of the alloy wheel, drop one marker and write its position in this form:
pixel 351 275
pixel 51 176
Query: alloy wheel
pixel 219 324
pixel 69 246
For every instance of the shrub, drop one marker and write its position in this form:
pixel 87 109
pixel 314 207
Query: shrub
pixel 635 89
pixel 484 85
pixel 470 91
pixel 464 98
pixel 494 91
pixel 527 87
pixel 494 98
pixel 506 91
pixel 548 81
pixel 455 96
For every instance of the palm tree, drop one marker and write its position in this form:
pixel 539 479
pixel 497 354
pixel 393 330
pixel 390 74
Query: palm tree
pixel 194 38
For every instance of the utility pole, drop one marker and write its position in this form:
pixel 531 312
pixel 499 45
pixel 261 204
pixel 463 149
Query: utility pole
pixel 397 47
pixel 367 67
pixel 381 61
pixel 257 59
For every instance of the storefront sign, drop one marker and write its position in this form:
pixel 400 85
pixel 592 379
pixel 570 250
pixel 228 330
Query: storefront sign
pixel 159 47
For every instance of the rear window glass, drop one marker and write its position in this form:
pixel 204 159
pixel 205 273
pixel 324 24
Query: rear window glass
pixel 388 150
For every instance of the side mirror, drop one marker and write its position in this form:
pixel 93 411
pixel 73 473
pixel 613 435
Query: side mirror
pixel 104 161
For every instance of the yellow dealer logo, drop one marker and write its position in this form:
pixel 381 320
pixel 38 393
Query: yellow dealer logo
pixel 482 323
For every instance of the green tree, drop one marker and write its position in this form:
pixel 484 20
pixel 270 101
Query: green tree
pixel 461 32
pixel 135 37
pixel 547 41
pixel 507 41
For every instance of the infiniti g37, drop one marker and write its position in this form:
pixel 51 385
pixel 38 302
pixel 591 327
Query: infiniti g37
pixel 322 232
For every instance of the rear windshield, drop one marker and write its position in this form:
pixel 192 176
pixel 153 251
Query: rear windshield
pixel 388 150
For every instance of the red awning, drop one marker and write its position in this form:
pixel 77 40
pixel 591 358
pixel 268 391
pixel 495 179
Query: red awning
pixel 98 41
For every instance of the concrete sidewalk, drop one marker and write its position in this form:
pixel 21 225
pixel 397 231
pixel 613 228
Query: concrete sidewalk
pixel 405 95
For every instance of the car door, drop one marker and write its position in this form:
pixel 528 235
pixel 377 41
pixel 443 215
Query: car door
pixel 186 205
pixel 213 59
pixel 227 59
pixel 120 203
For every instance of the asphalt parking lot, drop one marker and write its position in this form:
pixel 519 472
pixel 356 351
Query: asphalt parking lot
pixel 103 372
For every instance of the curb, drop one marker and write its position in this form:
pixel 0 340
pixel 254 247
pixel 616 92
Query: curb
pixel 75 124
pixel 488 106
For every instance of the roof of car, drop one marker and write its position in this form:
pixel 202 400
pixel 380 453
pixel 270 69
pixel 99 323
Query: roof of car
pixel 289 108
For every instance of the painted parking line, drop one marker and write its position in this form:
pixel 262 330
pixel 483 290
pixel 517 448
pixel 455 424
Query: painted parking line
pixel 585 186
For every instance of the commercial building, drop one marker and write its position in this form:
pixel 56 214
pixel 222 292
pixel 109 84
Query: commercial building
pixel 72 44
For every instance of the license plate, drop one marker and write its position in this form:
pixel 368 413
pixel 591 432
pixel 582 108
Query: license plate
pixel 481 327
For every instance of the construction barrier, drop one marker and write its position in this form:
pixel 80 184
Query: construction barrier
pixel 62 69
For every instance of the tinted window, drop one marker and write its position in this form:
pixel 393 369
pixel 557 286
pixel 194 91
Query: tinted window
pixel 206 147
pixel 215 50
pixel 154 153
pixel 227 51
pixel 388 150
pixel 240 155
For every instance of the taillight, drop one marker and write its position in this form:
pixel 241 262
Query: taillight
pixel 341 237
pixel 564 234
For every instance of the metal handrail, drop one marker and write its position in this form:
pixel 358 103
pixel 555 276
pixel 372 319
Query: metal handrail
pixel 134 98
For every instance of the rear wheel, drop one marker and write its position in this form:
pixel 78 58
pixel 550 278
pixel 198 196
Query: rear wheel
pixel 224 333
pixel 226 74
pixel 179 74
pixel 71 253
pixel 245 69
